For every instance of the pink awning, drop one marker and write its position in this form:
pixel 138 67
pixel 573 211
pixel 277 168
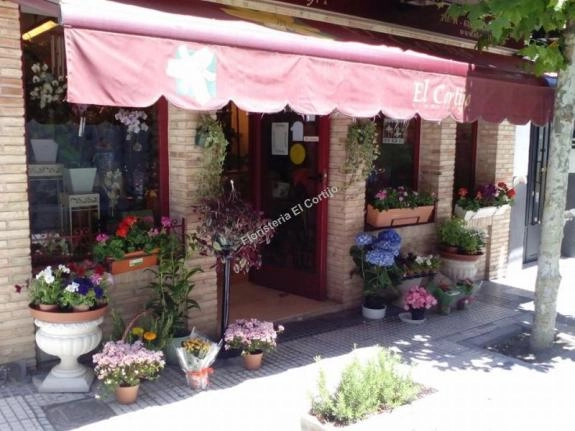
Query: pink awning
pixel 201 55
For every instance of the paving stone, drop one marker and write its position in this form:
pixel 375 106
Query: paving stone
pixel 68 416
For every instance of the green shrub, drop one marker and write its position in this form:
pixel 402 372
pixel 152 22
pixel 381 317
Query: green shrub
pixel 364 389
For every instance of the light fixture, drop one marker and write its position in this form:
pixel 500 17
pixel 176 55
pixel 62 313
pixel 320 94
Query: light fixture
pixel 42 28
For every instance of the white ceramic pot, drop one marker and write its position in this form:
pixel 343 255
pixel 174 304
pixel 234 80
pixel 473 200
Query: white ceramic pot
pixel 79 180
pixel 44 150
pixel 373 313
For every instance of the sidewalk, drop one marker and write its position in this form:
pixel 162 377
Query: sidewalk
pixel 474 389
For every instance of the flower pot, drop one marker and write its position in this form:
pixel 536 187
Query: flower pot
pixel 80 308
pixel 79 180
pixel 373 313
pixel 407 318
pixel 399 216
pixel 253 361
pixel 68 335
pixel 134 261
pixel 417 313
pixel 483 212
pixel 459 266
pixel 127 394
pixel 44 150
pixel 170 352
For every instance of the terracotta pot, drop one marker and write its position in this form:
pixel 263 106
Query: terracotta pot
pixel 399 216
pixel 80 308
pixel 253 361
pixel 134 261
pixel 127 394
pixel 48 307
pixel 63 317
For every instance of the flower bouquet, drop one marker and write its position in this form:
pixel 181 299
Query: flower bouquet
pixel 121 364
pixel 417 300
pixel 195 355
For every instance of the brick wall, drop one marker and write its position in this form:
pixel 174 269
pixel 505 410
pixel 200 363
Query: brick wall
pixel 345 220
pixel 495 152
pixel 185 161
pixel 16 327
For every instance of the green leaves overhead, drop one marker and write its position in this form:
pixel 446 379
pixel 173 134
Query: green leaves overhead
pixel 536 23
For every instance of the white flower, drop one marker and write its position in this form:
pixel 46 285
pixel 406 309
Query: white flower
pixel 72 287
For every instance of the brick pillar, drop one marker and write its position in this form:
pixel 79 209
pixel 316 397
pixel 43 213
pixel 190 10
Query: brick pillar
pixel 185 161
pixel 16 327
pixel 495 152
pixel 345 220
pixel 437 164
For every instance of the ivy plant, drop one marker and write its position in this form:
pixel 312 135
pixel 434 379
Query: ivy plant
pixel 210 136
pixel 361 150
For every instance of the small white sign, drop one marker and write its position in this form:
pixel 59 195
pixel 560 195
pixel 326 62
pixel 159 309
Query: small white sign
pixel 280 139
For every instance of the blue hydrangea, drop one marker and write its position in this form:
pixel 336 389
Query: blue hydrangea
pixel 380 257
pixel 387 246
pixel 390 235
pixel 362 239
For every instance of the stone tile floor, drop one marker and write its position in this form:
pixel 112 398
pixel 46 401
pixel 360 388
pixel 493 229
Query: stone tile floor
pixel 475 389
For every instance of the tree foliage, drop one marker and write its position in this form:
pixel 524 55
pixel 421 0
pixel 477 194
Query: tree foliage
pixel 547 30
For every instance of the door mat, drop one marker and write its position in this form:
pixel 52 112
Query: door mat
pixel 73 414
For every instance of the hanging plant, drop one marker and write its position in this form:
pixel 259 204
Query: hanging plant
pixel 210 136
pixel 361 150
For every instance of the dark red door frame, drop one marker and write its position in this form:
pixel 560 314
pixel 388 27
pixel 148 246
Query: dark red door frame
pixel 163 161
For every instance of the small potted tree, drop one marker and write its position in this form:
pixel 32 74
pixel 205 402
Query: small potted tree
pixel 374 257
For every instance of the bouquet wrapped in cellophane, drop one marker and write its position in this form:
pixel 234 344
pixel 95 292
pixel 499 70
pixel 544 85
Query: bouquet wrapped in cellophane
pixel 196 354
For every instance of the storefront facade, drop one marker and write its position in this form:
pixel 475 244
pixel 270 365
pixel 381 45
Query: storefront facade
pixel 441 93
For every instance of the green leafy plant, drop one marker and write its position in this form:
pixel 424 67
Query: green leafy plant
pixel 454 232
pixel 211 137
pixel 361 150
pixel 172 287
pixel 364 389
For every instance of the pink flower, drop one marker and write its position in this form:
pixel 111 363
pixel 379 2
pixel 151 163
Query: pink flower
pixel 381 195
pixel 102 237
pixel 166 222
pixel 418 297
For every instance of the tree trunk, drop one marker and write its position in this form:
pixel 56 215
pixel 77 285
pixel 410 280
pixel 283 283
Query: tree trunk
pixel 548 276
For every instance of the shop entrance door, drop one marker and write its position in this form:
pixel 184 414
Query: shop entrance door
pixel 289 174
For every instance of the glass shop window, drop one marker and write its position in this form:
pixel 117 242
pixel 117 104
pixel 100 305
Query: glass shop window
pixel 88 165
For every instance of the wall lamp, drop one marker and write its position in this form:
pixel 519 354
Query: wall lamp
pixel 42 28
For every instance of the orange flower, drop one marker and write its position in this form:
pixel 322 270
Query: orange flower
pixel 462 192
pixel 149 336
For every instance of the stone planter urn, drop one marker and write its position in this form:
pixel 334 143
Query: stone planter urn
pixel 68 335
pixel 459 266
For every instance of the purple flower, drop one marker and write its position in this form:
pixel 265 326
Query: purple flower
pixel 380 257
pixel 362 239
pixel 102 237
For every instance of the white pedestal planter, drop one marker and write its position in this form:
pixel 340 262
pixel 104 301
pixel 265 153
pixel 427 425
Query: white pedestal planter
pixel 68 340
pixel 483 212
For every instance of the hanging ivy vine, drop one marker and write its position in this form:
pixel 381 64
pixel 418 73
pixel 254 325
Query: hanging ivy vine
pixel 210 136
pixel 361 150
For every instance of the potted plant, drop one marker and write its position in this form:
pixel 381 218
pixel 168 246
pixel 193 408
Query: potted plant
pixel 374 258
pixel 86 288
pixel 488 200
pixel 361 150
pixel 172 286
pixel 253 337
pixel 399 206
pixel 417 300
pixel 460 248
pixel 121 366
pixel 134 245
pixel 226 231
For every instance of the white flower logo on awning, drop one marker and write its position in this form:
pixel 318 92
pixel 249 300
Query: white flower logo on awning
pixel 195 72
